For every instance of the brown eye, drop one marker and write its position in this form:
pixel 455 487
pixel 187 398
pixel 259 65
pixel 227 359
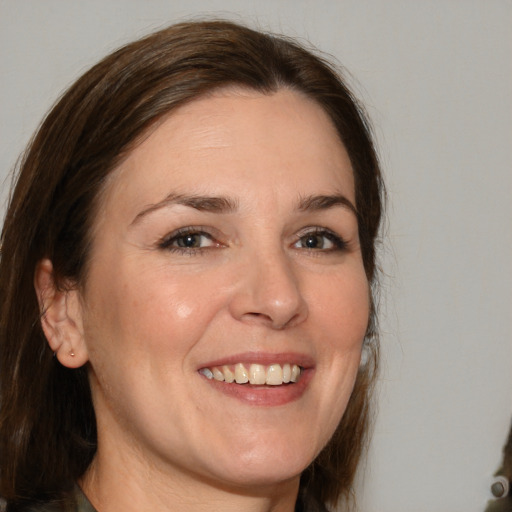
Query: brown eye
pixel 322 240
pixel 188 241
pixel 316 242
pixel 191 240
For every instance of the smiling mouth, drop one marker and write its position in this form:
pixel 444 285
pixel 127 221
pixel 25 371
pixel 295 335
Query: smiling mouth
pixel 254 374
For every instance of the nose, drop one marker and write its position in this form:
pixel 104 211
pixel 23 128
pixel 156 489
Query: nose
pixel 269 293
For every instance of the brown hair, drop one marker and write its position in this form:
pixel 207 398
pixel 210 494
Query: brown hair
pixel 47 421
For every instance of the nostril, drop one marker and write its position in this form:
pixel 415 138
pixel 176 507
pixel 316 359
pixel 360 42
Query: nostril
pixel 258 316
pixel 273 321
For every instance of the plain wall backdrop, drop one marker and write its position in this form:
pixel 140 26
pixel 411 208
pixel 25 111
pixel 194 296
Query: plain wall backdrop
pixel 436 77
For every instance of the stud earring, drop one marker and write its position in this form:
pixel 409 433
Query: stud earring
pixel 72 354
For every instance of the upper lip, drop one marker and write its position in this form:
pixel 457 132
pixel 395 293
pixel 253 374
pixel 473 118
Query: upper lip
pixel 263 358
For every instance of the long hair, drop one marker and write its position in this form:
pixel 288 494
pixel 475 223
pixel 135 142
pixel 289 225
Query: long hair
pixel 47 421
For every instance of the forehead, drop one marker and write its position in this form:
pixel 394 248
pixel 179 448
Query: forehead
pixel 236 138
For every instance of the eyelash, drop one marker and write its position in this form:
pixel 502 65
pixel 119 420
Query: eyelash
pixel 338 243
pixel 181 234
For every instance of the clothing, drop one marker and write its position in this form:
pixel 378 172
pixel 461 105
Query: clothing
pixel 79 503
pixel 82 504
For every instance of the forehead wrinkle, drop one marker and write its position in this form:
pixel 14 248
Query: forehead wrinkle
pixel 208 132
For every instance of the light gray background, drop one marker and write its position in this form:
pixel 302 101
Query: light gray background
pixel 436 77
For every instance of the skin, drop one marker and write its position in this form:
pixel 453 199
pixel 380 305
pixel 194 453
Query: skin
pixel 152 313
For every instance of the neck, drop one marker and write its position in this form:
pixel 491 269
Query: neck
pixel 114 484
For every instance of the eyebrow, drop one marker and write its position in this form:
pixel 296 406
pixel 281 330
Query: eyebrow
pixel 214 204
pixel 210 204
pixel 324 202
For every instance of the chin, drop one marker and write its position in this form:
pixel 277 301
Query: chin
pixel 268 466
pixel 262 477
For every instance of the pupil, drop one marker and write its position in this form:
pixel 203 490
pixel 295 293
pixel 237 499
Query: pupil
pixel 312 242
pixel 189 241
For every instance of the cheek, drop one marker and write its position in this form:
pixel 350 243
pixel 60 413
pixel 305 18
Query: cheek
pixel 340 311
pixel 153 311
pixel 343 307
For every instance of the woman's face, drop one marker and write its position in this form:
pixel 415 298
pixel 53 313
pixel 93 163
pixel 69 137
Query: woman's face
pixel 226 247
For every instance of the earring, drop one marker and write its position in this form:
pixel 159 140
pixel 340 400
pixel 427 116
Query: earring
pixel 365 355
pixel 72 354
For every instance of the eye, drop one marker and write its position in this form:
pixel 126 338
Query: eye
pixel 320 240
pixel 188 240
pixel 192 240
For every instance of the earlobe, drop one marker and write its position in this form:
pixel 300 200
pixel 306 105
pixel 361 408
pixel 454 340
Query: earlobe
pixel 61 319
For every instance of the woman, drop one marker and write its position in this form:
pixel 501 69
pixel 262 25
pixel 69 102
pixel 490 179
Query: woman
pixel 186 274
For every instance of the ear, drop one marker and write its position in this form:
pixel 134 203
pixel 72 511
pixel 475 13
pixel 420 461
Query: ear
pixel 61 317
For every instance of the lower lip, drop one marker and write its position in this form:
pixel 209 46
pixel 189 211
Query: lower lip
pixel 269 396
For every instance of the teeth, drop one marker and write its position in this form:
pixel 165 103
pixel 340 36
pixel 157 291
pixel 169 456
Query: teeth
pixel 207 373
pixel 274 375
pixel 287 373
pixel 241 376
pixel 229 376
pixel 218 375
pixel 258 374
